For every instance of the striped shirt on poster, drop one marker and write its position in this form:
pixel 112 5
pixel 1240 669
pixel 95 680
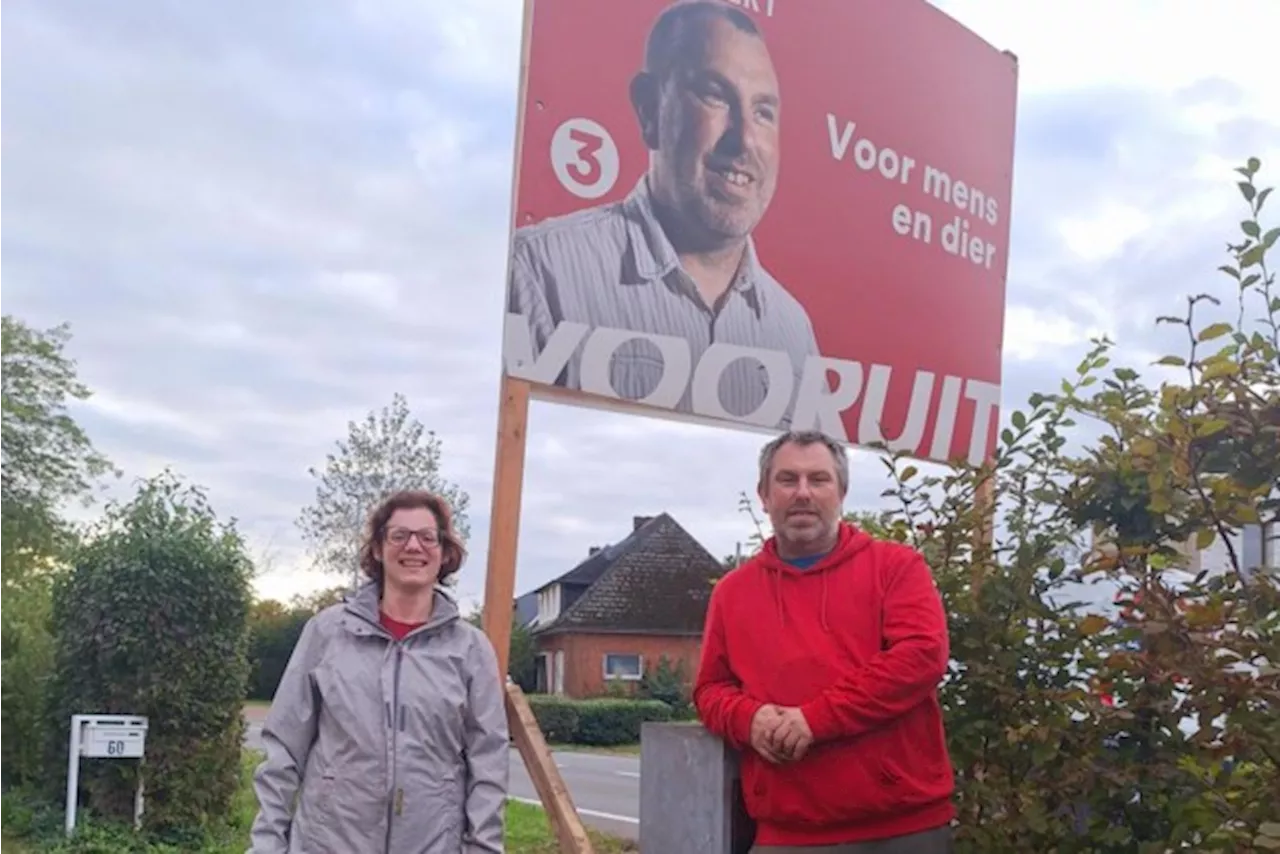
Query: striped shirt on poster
pixel 612 266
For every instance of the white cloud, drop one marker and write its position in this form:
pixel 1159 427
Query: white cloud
pixel 1104 232
pixel 151 414
pixel 263 221
pixel 1156 46
pixel 1030 334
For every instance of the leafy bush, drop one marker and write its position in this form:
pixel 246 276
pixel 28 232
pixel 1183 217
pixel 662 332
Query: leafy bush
pixel 557 717
pixel 24 812
pixel 152 621
pixel 610 722
pixel 522 652
pixel 273 633
pixel 1153 724
pixel 37 823
pixel 600 722
pixel 28 659
pixel 669 683
pixel 274 629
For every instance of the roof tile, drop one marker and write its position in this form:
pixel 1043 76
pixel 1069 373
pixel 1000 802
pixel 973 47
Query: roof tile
pixel 656 581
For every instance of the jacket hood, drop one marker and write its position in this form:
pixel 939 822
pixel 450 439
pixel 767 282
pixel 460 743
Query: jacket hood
pixel 850 542
pixel 364 603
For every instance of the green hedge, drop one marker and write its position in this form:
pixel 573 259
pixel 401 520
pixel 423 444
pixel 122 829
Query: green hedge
pixel 153 620
pixel 27 659
pixel 601 722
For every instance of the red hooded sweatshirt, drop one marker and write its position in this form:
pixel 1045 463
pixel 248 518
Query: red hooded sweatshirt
pixel 858 642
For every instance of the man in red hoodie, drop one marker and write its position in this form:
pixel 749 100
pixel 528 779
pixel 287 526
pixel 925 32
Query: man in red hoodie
pixel 821 660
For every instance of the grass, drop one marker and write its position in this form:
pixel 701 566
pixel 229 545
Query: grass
pixel 528 832
pixel 32 827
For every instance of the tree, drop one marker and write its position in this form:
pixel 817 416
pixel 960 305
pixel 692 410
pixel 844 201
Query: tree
pixel 1074 728
pixel 27 661
pixel 314 603
pixel 1074 725
pixel 522 658
pixel 47 457
pixel 522 663
pixel 47 461
pixel 671 683
pixel 389 451
pixel 153 620
pixel 274 629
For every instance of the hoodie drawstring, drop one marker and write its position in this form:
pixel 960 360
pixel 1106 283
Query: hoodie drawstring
pixel 849 545
pixel 777 596
pixel 825 576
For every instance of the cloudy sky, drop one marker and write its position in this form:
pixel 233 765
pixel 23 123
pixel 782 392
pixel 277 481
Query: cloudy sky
pixel 252 215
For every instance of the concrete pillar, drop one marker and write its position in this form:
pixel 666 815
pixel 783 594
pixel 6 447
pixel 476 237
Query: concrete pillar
pixel 690 795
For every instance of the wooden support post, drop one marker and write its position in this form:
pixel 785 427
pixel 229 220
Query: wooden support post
pixel 499 604
pixel 504 517
pixel 513 423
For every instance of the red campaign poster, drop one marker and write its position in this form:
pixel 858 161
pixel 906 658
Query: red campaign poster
pixel 766 214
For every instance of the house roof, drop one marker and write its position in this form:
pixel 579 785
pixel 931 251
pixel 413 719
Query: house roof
pixel 590 570
pixel 656 581
pixel 526 608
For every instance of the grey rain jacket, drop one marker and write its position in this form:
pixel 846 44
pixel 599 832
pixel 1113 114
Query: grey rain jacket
pixel 389 747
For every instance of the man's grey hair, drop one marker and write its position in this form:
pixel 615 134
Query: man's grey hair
pixel 677 30
pixel 804 438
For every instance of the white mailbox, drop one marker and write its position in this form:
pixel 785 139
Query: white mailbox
pixel 113 738
pixel 103 737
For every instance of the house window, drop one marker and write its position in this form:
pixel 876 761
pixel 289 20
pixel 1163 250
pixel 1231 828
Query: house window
pixel 1271 545
pixel 618 665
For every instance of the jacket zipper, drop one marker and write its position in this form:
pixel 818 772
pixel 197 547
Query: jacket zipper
pixel 396 804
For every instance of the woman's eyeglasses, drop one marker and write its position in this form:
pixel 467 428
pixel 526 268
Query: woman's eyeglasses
pixel 427 536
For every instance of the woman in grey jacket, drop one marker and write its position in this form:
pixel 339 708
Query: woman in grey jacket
pixel 389 726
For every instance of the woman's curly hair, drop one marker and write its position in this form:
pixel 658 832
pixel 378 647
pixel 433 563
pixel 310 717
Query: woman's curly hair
pixel 452 550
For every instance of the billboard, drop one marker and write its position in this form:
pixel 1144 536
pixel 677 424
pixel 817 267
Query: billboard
pixel 765 214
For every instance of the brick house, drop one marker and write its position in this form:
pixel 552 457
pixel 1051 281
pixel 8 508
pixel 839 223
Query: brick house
pixel 602 624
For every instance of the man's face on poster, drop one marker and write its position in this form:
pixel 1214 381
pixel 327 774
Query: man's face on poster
pixel 715 137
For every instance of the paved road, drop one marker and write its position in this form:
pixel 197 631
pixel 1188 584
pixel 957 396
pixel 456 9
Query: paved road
pixel 605 788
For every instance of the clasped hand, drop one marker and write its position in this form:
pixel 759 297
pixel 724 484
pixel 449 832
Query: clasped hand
pixel 780 734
